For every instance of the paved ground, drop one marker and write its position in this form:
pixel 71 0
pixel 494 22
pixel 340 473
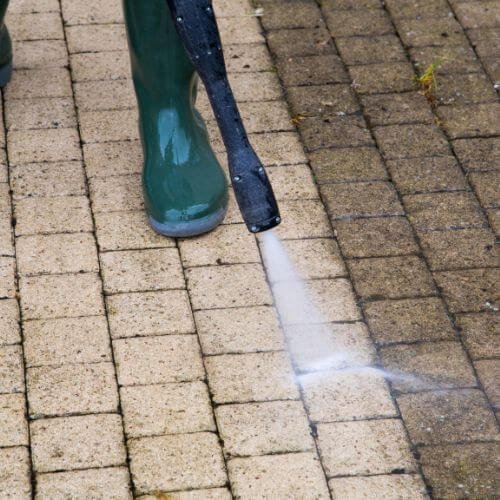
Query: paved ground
pixel 132 364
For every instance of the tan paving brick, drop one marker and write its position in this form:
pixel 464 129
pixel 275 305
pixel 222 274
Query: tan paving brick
pixel 9 319
pixel 228 286
pixel 247 58
pixel 480 333
pixel 140 270
pixel 7 277
pixel 92 38
pixel 263 428
pixel 227 244
pixel 455 59
pixel 183 461
pixel 69 389
pixel 64 295
pixel 48 179
pixel 123 192
pixel 470 88
pixel 477 15
pixel 156 360
pixel 364 447
pixel 488 371
pixel 362 22
pixel 40 54
pixel 375 236
pixel 11 369
pixel 113 125
pixel 428 365
pixel 449 416
pixel 93 12
pixel 40 113
pixel 278 476
pixel 241 29
pixel 56 254
pixel 35 26
pixel 422 32
pixel 407 9
pixel 300 42
pixel 278 148
pixel 383 77
pixel 6 236
pixel 113 158
pixel 78 442
pixel 265 116
pixel 470 121
pixel 236 330
pixel 98 482
pixel 369 50
pixel 34 146
pixel 484 184
pixel 253 87
pixel 408 320
pixel 150 313
pixel 166 409
pixel 206 494
pixel 127 230
pixel 301 15
pixel 51 82
pixel 250 377
pixel 104 95
pixel 333 395
pixel 478 154
pixel 387 486
pixel 89 66
pixel 28 6
pixel 66 340
pixel 15 472
pixel 14 425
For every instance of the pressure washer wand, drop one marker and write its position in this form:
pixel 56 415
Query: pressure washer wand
pixel 196 25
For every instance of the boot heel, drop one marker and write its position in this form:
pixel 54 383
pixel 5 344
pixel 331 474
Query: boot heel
pixel 5 74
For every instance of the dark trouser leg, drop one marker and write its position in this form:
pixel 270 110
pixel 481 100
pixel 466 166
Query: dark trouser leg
pixel 5 47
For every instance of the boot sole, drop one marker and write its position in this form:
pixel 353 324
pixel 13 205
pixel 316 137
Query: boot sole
pixel 5 74
pixel 186 229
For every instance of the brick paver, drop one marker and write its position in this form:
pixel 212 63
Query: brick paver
pixel 138 366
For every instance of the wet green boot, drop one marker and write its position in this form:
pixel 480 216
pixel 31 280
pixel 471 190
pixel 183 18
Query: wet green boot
pixel 5 47
pixel 185 189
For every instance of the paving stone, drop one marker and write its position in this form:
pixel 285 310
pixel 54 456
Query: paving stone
pixel 312 70
pixel 494 220
pixel 36 146
pixel 64 295
pixel 116 193
pixel 299 42
pixel 141 270
pixel 384 77
pixel 66 340
pixel 182 461
pixel 470 121
pixel 38 54
pixel 113 125
pixel 440 211
pixel 92 38
pixel 470 290
pixel 127 230
pixel 478 154
pixel 6 221
pixel 109 159
pixel 51 82
pixel 263 428
pixel 414 175
pixel 454 59
pixel 278 148
pixel 254 87
pixel 35 26
pixel 336 396
pixel 246 58
pixel 448 416
pixel 387 486
pixel 347 164
pixel 403 141
pixel 480 15
pixel 7 277
pixel 227 286
pixel 226 8
pixel 166 409
pixel 460 470
pixel 242 29
pixel 480 333
pixel 149 313
pixel 468 89
pixel 206 494
pixel 72 484
pixel 408 320
pixel 400 108
pixel 15 472
pixel 94 12
pixel 104 95
pixel 9 319
pixel 90 66
pixel 250 377
pixel 428 365
pixel 361 199
pixel 422 32
pixel 375 237
pixel 321 100
pixel 293 182
pixel 47 179
pixel 360 22
pixel 14 425
pixel 459 249
pixel 415 9
pixel 484 184
pixel 11 369
pixel 296 14
pixel 364 447
pixel 78 442
pixel 278 476
pixel 56 254
pixel 265 116
pixel 157 360
pixel 369 50
pixel 227 244
pixel 28 6
pixel 237 330
pixel 488 371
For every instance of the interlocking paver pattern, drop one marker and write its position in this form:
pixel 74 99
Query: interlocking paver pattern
pixel 138 366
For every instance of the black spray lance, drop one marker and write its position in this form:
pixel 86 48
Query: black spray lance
pixel 196 25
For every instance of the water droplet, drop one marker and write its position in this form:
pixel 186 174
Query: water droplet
pixel 179 19
pixel 237 178
pixel 254 229
pixel 209 52
pixel 208 9
pixel 261 170
pixel 278 220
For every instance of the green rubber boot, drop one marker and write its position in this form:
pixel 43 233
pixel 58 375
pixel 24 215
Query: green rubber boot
pixel 5 47
pixel 185 189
